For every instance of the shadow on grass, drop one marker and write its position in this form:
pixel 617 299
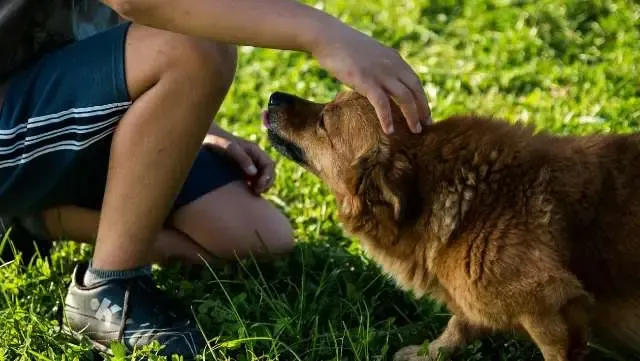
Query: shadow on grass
pixel 320 302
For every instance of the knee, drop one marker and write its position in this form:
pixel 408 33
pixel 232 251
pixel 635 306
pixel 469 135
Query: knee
pixel 262 233
pixel 217 62
pixel 189 59
pixel 251 227
pixel 273 232
pixel 204 60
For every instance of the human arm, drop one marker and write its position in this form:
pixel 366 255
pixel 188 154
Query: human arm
pixel 277 24
pixel 357 60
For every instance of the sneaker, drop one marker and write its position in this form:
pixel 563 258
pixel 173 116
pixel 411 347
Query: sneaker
pixel 133 312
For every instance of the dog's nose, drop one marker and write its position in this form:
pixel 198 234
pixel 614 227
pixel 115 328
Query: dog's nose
pixel 279 99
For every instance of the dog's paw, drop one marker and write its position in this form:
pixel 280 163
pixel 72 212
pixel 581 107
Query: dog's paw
pixel 411 353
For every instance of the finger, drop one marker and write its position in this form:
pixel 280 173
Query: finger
pixel 380 101
pixel 242 158
pixel 266 179
pixel 265 165
pixel 265 183
pixel 403 96
pixel 411 80
pixel 271 178
pixel 271 181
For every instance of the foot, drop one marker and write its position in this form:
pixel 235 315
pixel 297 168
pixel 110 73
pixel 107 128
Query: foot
pixel 411 353
pixel 133 312
pixel 437 351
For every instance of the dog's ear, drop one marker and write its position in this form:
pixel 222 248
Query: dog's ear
pixel 383 180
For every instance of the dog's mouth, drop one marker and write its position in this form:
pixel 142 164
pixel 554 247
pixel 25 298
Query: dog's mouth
pixel 265 119
pixel 281 144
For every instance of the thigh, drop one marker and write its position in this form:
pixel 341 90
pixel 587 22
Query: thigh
pixel 56 123
pixel 232 222
pixel 79 220
pixel 215 208
pixel 218 211
pixel 58 115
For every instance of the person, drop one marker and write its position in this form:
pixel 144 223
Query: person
pixel 106 134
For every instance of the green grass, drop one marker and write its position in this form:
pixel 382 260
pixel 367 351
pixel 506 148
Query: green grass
pixel 567 66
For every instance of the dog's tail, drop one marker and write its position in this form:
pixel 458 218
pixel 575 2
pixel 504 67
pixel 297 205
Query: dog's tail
pixel 618 324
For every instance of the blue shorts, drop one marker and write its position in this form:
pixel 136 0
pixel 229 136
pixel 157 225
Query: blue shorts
pixel 56 127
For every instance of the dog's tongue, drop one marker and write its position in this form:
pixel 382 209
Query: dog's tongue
pixel 265 118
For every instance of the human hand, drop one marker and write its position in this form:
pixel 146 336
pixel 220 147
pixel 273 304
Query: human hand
pixel 257 165
pixel 377 72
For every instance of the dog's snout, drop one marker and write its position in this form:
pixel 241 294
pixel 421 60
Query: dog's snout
pixel 279 99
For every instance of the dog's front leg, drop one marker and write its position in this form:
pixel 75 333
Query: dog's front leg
pixel 458 333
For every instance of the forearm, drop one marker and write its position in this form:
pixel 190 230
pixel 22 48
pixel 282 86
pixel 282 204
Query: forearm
pixel 278 24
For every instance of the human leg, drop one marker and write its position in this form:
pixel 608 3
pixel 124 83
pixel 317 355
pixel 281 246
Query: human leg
pixel 174 97
pixel 80 224
pixel 249 226
pixel 169 104
pixel 215 215
pixel 177 95
pixel 224 216
pixel 206 228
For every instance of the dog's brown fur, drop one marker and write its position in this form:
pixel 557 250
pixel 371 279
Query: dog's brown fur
pixel 512 230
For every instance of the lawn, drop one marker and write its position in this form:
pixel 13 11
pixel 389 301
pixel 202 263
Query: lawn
pixel 566 66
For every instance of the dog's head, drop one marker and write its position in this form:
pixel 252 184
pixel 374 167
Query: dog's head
pixel 342 143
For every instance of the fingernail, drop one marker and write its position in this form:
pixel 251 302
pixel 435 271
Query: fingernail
pixel 252 169
pixel 390 129
pixel 418 128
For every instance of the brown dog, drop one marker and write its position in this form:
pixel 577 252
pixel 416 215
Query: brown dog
pixel 511 230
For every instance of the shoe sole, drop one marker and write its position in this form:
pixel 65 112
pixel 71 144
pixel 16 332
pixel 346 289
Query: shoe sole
pixel 96 345
pixel 79 337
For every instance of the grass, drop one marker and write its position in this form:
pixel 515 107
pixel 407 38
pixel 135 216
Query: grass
pixel 566 66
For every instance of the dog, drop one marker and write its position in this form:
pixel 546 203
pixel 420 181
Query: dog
pixel 512 229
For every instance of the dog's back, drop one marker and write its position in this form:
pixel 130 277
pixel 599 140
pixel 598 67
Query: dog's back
pixel 598 179
pixel 593 186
